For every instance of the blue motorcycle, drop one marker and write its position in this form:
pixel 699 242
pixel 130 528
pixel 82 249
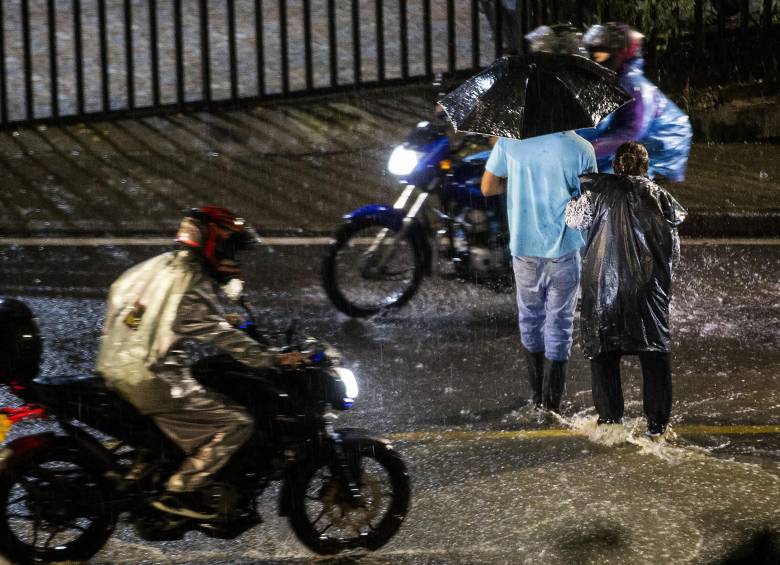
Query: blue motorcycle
pixel 381 253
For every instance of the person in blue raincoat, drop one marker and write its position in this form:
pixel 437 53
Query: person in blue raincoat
pixel 651 119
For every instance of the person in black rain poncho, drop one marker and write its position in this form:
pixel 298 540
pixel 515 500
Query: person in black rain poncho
pixel 632 247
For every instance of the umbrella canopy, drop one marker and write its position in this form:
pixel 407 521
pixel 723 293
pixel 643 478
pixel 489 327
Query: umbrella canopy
pixel 526 96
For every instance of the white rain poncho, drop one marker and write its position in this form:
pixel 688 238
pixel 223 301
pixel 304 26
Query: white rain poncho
pixel 152 307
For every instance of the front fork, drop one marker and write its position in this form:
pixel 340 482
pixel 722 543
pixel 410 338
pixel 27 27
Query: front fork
pixel 406 224
pixel 342 463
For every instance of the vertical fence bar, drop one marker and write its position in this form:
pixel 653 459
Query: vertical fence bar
pixel 232 56
pixel 357 59
pixel 545 15
pixel 403 29
pixel 284 47
pixel 3 84
pixel 307 44
pixel 53 70
pixel 498 18
pixel 605 15
pixel 475 34
pixel 129 59
pixel 259 48
pixel 333 57
pixel 744 46
pixel 451 53
pixel 380 39
pixel 698 16
pixel 104 76
pixel 427 38
pixel 205 51
pixel 155 52
pixel 579 13
pixel 79 56
pixel 524 21
pixel 766 15
pixel 766 34
pixel 178 42
pixel 720 6
pixel 27 49
pixel 555 11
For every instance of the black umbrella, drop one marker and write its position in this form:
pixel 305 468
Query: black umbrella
pixel 530 95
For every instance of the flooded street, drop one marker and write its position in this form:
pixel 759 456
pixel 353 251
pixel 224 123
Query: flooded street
pixel 493 481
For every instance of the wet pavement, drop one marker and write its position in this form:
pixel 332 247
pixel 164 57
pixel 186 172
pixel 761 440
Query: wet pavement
pixel 293 168
pixel 493 481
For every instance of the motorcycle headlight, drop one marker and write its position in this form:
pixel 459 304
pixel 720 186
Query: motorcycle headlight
pixel 350 384
pixel 402 161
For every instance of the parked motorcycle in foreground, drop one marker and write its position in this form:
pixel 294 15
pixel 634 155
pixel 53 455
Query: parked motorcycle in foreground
pixel 380 254
pixel 61 494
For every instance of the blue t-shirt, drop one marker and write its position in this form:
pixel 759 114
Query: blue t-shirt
pixel 542 176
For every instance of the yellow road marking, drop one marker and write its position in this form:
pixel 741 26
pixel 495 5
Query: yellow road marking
pixel 469 435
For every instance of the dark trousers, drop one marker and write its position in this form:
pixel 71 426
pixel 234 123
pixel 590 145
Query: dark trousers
pixel 656 386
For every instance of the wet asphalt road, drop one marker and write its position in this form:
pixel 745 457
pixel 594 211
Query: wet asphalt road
pixel 443 378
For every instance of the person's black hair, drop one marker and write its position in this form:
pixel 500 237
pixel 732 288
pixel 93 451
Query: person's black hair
pixel 631 158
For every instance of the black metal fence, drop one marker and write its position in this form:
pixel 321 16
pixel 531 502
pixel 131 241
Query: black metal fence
pixel 69 60
pixel 72 59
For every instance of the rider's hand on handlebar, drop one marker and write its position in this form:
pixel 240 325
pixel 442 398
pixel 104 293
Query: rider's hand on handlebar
pixel 292 359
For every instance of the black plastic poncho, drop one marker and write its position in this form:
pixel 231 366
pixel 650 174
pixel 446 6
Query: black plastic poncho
pixel 627 266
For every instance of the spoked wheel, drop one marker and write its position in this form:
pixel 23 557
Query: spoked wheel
pixel 53 507
pixel 370 268
pixel 327 521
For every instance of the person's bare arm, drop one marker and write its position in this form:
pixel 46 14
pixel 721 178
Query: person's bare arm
pixel 492 185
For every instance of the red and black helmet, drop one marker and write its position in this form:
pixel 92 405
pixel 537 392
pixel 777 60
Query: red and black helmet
pixel 619 40
pixel 217 234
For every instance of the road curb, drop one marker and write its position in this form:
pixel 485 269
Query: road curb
pixel 743 223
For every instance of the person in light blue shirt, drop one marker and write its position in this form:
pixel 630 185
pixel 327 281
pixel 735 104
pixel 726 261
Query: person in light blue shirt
pixel 540 175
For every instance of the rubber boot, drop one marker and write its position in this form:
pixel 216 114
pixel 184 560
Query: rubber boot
pixel 535 363
pixel 553 385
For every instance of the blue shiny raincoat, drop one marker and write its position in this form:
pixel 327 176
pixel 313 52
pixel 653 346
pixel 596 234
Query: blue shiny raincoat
pixel 651 119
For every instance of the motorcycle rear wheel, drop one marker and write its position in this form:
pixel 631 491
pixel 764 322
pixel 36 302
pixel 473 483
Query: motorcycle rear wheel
pixel 326 522
pixel 48 492
pixel 348 278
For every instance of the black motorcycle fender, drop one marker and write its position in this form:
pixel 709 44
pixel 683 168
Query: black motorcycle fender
pixel 355 434
pixel 16 450
pixel 348 435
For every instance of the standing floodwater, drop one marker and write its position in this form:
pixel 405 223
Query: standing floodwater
pixel 492 480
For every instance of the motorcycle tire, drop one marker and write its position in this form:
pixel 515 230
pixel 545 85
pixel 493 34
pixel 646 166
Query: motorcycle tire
pixel 83 478
pixel 377 535
pixel 340 300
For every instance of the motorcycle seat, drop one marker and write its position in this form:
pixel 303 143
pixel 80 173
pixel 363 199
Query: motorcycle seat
pixel 87 398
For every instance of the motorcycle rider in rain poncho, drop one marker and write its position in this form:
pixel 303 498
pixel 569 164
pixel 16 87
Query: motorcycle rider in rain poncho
pixel 158 314
pixel 651 118
pixel 626 282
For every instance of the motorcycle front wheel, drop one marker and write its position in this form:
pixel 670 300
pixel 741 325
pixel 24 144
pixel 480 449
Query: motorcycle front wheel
pixel 53 506
pixel 325 519
pixel 369 268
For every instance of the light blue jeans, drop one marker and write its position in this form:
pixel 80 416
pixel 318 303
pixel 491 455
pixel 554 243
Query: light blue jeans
pixel 546 298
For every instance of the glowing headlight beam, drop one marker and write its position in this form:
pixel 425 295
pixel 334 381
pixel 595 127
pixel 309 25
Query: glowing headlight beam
pixel 349 380
pixel 402 161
